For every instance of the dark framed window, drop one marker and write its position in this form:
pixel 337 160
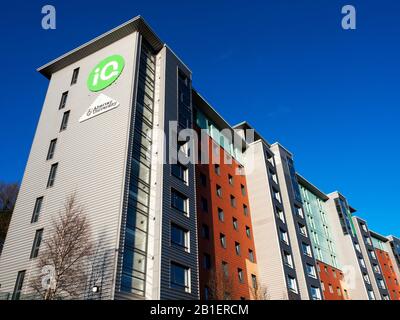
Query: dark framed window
pixel 243 189
pixel 205 231
pixel 235 223
pixel 179 171
pixel 52 175
pixel 217 169
pixel 233 201
pixel 63 100
pixel 251 255
pixel 19 283
pixel 237 248
pixel 240 275
pixel 245 210
pixel 207 261
pixel 36 243
pixel 222 239
pixel 36 210
pixel 75 74
pixel 221 215
pixel 179 276
pixel 179 201
pixel 204 204
pixel 248 232
pixel 230 179
pixel 203 179
pixel 52 149
pixel 64 121
pixel 179 236
pixel 254 281
pixel 219 190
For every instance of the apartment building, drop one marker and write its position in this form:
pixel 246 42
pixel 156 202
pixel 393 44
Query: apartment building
pixel 227 258
pixel 323 241
pixel 116 130
pixel 93 139
pixel 384 255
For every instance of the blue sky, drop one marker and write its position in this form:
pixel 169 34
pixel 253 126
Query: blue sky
pixel 328 95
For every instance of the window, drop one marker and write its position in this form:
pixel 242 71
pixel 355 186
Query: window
pixel 386 297
pixel 248 232
pixel 217 169
pixel 330 288
pixel 254 281
pixel 287 259
pixel 306 249
pixel 357 246
pixel 36 209
pixel 371 295
pixel 204 204
pixel 364 227
pixel 315 293
pixel 19 283
pixel 243 190
pixel 240 275
pixel 322 286
pixel 311 271
pixel 36 243
pixel 207 261
pixel 225 268
pixel 230 179
pixel 362 262
pixel 245 210
pixel 233 201
pixel 179 237
pixel 206 293
pixel 283 236
pixel 52 175
pixel 52 147
pixel 280 215
pixel 179 277
pixel 235 223
pixel 292 283
pixel 237 248
pixel 381 284
pixel 368 240
pixel 277 195
pixel 372 254
pixel 205 231
pixel 222 239
pixel 376 268
pixel 179 201
pixel 203 179
pixel 339 292
pixel 302 230
pixel 221 216
pixel 63 100
pixel 64 122
pixel 219 191
pixel 75 74
pixel 299 211
pixel 251 255
pixel 272 174
pixel 179 171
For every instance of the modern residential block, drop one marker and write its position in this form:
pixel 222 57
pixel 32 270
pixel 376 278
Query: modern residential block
pixel 180 204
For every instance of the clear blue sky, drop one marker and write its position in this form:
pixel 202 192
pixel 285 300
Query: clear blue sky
pixel 330 96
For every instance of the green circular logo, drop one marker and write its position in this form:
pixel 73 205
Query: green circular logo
pixel 105 72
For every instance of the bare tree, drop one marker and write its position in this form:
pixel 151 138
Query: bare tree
pixel 220 285
pixel 8 197
pixel 259 291
pixel 64 255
